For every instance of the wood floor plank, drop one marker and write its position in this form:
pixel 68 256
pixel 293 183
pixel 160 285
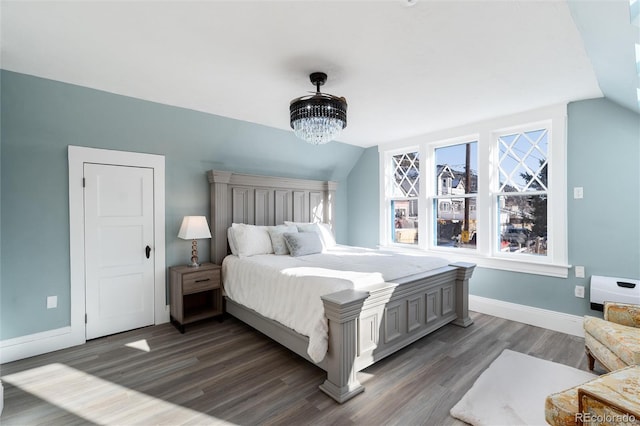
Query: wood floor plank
pixel 227 373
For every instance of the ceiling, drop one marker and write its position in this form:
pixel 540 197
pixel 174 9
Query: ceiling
pixel 404 69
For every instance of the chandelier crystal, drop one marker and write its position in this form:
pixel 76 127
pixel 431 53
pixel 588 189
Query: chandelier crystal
pixel 319 118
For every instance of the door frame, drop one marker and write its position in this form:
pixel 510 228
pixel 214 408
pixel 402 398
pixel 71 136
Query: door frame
pixel 78 156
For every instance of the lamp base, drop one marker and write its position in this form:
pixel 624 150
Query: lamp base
pixel 194 254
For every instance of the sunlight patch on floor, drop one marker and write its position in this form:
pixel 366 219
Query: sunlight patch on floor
pixel 141 345
pixel 364 377
pixel 100 401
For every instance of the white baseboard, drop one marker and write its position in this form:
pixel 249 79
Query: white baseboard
pixel 51 340
pixel 39 343
pixel 552 320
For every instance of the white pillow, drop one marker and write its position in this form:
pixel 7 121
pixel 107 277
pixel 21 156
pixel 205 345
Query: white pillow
pixel 322 229
pixel 251 239
pixel 231 239
pixel 277 239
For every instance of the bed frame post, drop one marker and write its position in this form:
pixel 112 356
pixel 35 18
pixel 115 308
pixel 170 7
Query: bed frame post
pixel 465 270
pixel 220 221
pixel 342 309
pixel 330 205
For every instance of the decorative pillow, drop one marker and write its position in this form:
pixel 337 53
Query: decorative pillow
pixel 322 229
pixel 251 239
pixel 302 243
pixel 277 238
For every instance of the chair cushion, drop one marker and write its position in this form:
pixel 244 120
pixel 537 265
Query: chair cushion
pixel 608 359
pixel 623 341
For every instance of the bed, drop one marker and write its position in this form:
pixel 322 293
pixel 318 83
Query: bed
pixel 369 316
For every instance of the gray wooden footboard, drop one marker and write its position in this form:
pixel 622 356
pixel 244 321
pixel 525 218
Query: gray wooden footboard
pixel 368 325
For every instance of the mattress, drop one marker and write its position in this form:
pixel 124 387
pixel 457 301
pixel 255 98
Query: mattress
pixel 288 289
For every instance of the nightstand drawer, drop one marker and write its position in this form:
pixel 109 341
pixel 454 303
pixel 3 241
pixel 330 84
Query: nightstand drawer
pixel 198 281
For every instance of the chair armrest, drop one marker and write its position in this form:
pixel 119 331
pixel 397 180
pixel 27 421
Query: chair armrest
pixel 622 313
pixel 592 406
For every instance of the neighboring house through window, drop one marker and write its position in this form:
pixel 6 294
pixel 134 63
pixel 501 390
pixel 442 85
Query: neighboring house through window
pixel 455 169
pixel 404 188
pixel 493 193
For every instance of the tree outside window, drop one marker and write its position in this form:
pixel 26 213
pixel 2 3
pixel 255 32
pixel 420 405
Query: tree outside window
pixel 455 195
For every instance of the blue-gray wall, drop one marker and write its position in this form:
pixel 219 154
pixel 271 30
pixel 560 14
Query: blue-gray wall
pixel 603 156
pixel 363 206
pixel 40 118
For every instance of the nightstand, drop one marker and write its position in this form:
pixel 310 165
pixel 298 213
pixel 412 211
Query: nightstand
pixel 196 293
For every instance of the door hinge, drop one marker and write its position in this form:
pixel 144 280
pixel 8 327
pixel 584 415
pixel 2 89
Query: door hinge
pixel 84 182
pixel 85 318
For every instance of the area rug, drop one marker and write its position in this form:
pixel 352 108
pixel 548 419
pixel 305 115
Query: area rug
pixel 512 390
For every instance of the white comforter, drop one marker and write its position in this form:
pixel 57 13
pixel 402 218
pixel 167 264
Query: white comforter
pixel 288 289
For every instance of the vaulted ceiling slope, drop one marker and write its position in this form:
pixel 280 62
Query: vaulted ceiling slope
pixel 610 41
pixel 405 70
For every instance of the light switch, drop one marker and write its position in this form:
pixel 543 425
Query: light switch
pixel 578 192
pixel 579 271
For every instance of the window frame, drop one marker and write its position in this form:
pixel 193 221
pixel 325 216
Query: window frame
pixel 432 196
pixel 487 252
pixel 387 184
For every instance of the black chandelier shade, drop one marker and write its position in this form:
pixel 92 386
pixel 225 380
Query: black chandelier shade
pixel 318 118
pixel 319 105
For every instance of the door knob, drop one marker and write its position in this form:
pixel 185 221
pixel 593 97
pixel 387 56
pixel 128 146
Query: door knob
pixel 148 251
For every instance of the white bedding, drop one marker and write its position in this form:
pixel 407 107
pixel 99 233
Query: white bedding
pixel 287 289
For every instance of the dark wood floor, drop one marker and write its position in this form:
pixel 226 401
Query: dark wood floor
pixel 228 373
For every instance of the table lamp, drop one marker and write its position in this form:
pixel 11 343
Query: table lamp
pixel 194 228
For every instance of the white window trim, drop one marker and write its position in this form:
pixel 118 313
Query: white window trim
pixel 486 253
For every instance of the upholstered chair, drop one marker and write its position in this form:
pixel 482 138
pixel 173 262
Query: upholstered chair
pixel 615 340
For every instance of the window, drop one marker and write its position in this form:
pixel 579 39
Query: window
pixel 405 187
pixel 455 196
pixel 523 192
pixel 495 197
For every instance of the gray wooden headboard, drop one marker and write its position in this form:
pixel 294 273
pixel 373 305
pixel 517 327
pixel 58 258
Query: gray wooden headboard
pixel 265 200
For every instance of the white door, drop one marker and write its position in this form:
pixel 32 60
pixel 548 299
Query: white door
pixel 119 255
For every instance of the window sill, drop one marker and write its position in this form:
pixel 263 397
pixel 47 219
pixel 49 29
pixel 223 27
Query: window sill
pixel 511 265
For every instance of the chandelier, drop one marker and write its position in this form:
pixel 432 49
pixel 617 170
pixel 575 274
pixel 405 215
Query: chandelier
pixel 319 118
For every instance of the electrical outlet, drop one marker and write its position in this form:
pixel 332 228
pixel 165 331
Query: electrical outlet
pixel 579 291
pixel 579 271
pixel 52 302
pixel 578 192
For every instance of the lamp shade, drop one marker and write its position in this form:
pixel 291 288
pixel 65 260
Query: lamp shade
pixel 194 228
